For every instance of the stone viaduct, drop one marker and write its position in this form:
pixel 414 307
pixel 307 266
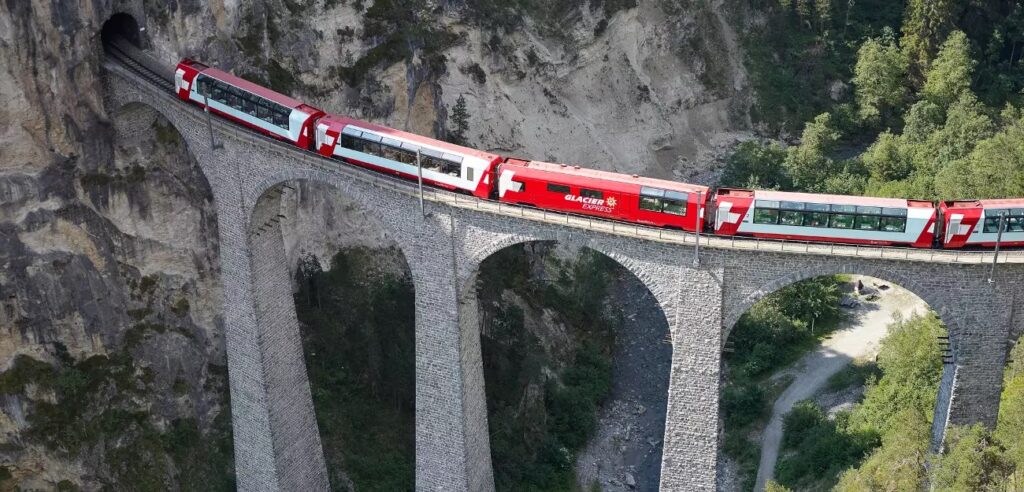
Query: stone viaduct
pixel 277 445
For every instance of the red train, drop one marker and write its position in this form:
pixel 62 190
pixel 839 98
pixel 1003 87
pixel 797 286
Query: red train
pixel 629 198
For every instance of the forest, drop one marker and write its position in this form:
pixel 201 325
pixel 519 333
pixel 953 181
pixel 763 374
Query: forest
pixel 932 111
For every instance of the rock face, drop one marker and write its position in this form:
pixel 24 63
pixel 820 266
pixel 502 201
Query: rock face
pixel 108 230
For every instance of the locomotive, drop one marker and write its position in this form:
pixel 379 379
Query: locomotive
pixel 573 189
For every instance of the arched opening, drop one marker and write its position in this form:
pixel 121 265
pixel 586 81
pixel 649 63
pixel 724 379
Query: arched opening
pixel 121 26
pixel 352 291
pixel 823 375
pixel 576 356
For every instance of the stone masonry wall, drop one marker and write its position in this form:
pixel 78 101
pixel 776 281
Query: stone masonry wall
pixel 276 443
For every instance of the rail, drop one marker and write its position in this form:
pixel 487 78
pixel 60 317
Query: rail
pixel 154 82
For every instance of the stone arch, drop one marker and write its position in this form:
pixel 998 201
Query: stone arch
pixel 303 458
pixel 471 331
pixel 935 302
pixel 122 25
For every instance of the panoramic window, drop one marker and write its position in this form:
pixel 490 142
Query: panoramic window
pixel 403 152
pixel 591 193
pixel 766 216
pixel 665 201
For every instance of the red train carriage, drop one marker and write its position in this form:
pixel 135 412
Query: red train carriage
pixel 832 218
pixel 392 151
pixel 239 100
pixel 976 222
pixel 601 193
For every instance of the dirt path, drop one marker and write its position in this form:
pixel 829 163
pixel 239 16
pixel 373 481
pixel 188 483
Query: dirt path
pixel 858 339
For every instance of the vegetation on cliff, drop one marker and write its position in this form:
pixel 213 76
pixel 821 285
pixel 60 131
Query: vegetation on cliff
pixel 358 336
pixel 543 387
pixel 934 113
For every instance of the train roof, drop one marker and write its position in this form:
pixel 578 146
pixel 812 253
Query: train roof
pixel 582 176
pixel 988 203
pixel 343 121
pixel 259 90
pixel 791 196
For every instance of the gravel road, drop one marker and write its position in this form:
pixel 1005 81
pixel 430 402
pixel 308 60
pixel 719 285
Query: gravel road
pixel 858 339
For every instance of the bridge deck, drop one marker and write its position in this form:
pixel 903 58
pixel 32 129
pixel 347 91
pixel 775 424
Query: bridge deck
pixel 587 223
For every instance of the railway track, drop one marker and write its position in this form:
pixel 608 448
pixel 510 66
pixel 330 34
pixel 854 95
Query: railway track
pixel 132 59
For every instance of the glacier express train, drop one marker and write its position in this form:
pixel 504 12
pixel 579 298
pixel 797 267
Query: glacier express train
pixel 628 198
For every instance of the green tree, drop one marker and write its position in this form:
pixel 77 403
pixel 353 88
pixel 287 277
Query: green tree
pixel 809 164
pixel 773 486
pixel 972 461
pixel 899 464
pixel 1010 426
pixel 888 159
pixel 993 169
pixel 925 24
pixel 911 366
pixel 810 300
pixel 460 122
pixel 880 79
pixel 949 76
pixel 754 165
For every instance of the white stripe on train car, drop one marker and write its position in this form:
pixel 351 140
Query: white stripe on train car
pixel 402 167
pixel 980 236
pixel 295 116
pixel 917 219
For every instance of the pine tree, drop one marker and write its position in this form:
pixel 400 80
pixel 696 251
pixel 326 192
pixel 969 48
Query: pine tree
pixel 460 120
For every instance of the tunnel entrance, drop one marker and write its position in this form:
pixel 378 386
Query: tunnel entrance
pixel 121 26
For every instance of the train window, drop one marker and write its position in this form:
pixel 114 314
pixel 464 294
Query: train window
pixel 869 210
pixel 766 216
pixel 650 203
pixel 655 192
pixel 558 188
pixel 452 157
pixel 894 224
pixel 591 193
pixel 469 173
pixel 792 205
pixel 789 218
pixel 992 225
pixel 766 204
pixel 815 219
pixel 677 195
pixel 353 143
pixel 817 207
pixel 841 221
pixel 894 212
pixel 846 209
pixel 1015 224
pixel 867 222
pixel 674 207
pixel 262 112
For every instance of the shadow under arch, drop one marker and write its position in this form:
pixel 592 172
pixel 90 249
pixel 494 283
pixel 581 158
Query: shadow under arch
pixel 313 402
pixel 640 356
pixel 124 26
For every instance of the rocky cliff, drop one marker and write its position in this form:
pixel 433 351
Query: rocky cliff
pixel 109 294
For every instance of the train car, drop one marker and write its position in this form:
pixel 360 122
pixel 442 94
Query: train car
pixel 976 223
pixel 392 151
pixel 828 218
pixel 579 190
pixel 244 102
